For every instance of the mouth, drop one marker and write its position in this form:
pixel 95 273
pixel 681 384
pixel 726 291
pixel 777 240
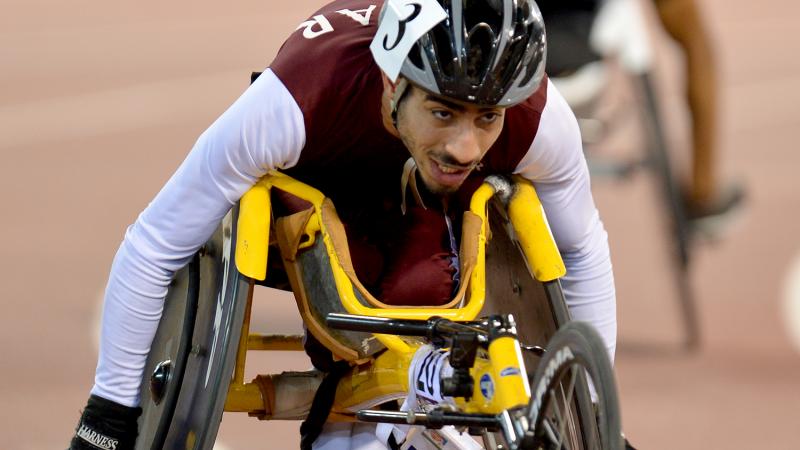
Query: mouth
pixel 449 175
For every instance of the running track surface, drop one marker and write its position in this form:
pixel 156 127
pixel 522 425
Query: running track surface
pixel 100 101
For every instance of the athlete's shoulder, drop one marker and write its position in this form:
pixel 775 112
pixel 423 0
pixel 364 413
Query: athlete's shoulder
pixel 557 151
pixel 326 60
pixel 535 104
pixel 333 39
pixel 522 122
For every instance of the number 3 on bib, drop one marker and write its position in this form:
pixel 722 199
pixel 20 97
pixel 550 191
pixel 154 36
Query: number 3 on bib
pixel 404 22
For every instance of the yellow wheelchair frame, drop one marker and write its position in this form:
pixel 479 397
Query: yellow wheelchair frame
pixel 388 373
pixel 374 377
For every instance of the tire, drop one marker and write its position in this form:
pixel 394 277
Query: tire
pixel 199 334
pixel 575 358
pixel 539 308
pixel 166 362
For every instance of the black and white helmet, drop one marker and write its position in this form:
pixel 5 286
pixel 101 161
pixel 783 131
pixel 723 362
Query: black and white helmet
pixel 487 52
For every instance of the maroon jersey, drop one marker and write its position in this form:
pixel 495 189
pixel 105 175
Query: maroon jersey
pixel 349 155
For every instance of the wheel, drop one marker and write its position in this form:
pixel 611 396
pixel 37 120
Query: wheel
pixel 166 363
pixel 540 308
pixel 191 361
pixel 576 359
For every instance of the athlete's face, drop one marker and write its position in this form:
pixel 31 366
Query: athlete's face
pixel 447 139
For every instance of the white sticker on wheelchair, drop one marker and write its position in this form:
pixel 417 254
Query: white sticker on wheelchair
pixel 487 386
pixel 404 22
pixel 428 367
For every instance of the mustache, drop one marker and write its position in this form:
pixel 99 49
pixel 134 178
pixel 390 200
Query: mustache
pixel 448 160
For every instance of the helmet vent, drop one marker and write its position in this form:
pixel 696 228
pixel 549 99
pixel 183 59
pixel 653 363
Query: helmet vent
pixel 416 57
pixel 444 52
pixel 480 48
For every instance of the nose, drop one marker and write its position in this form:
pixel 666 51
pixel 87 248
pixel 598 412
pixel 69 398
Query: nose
pixel 465 145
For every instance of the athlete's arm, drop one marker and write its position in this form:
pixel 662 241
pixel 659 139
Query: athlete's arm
pixel 262 130
pixel 556 165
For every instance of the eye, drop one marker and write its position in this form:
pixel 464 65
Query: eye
pixel 489 117
pixel 442 114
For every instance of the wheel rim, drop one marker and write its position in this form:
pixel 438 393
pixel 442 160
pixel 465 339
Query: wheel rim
pixel 574 403
pixel 166 363
pixel 220 313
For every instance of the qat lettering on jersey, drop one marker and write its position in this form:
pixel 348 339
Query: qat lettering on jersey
pixel 319 24
pixel 404 22
pixel 360 15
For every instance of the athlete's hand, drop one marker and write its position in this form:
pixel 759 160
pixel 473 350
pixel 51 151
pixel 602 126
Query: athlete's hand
pixel 106 425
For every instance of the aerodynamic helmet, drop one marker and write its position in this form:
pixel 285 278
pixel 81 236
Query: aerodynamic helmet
pixel 487 52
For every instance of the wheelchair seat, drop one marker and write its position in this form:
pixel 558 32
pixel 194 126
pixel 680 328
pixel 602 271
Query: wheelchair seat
pixel 313 248
pixel 309 271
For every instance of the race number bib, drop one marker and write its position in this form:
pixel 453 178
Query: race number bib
pixel 427 369
pixel 404 22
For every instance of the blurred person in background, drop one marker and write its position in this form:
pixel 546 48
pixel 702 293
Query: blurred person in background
pixel 569 27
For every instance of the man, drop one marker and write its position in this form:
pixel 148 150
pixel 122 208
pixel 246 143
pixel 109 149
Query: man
pixel 461 89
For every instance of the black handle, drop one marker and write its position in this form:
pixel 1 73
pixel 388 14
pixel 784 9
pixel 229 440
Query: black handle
pixel 399 327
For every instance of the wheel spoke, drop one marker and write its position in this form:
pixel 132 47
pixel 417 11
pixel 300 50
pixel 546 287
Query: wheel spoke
pixel 550 432
pixel 558 417
pixel 566 420
pixel 567 398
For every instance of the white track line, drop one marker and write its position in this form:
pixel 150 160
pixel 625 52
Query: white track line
pixel 791 302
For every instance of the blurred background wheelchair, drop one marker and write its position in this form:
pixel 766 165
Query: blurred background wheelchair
pixel 603 58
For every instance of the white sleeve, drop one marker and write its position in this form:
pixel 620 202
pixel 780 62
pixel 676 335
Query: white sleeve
pixel 556 165
pixel 263 129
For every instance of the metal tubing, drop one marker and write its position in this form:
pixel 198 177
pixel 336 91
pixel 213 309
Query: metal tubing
pixel 378 325
pixel 434 419
pixel 241 352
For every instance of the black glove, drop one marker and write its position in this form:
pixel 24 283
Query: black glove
pixel 106 425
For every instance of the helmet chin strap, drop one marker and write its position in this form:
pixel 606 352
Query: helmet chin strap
pixel 400 90
pixel 408 181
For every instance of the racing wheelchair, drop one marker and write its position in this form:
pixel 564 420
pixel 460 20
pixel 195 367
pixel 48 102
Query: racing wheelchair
pixel 501 361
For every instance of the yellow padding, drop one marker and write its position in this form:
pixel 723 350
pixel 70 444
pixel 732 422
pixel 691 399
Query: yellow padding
pixel 533 232
pixel 252 239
